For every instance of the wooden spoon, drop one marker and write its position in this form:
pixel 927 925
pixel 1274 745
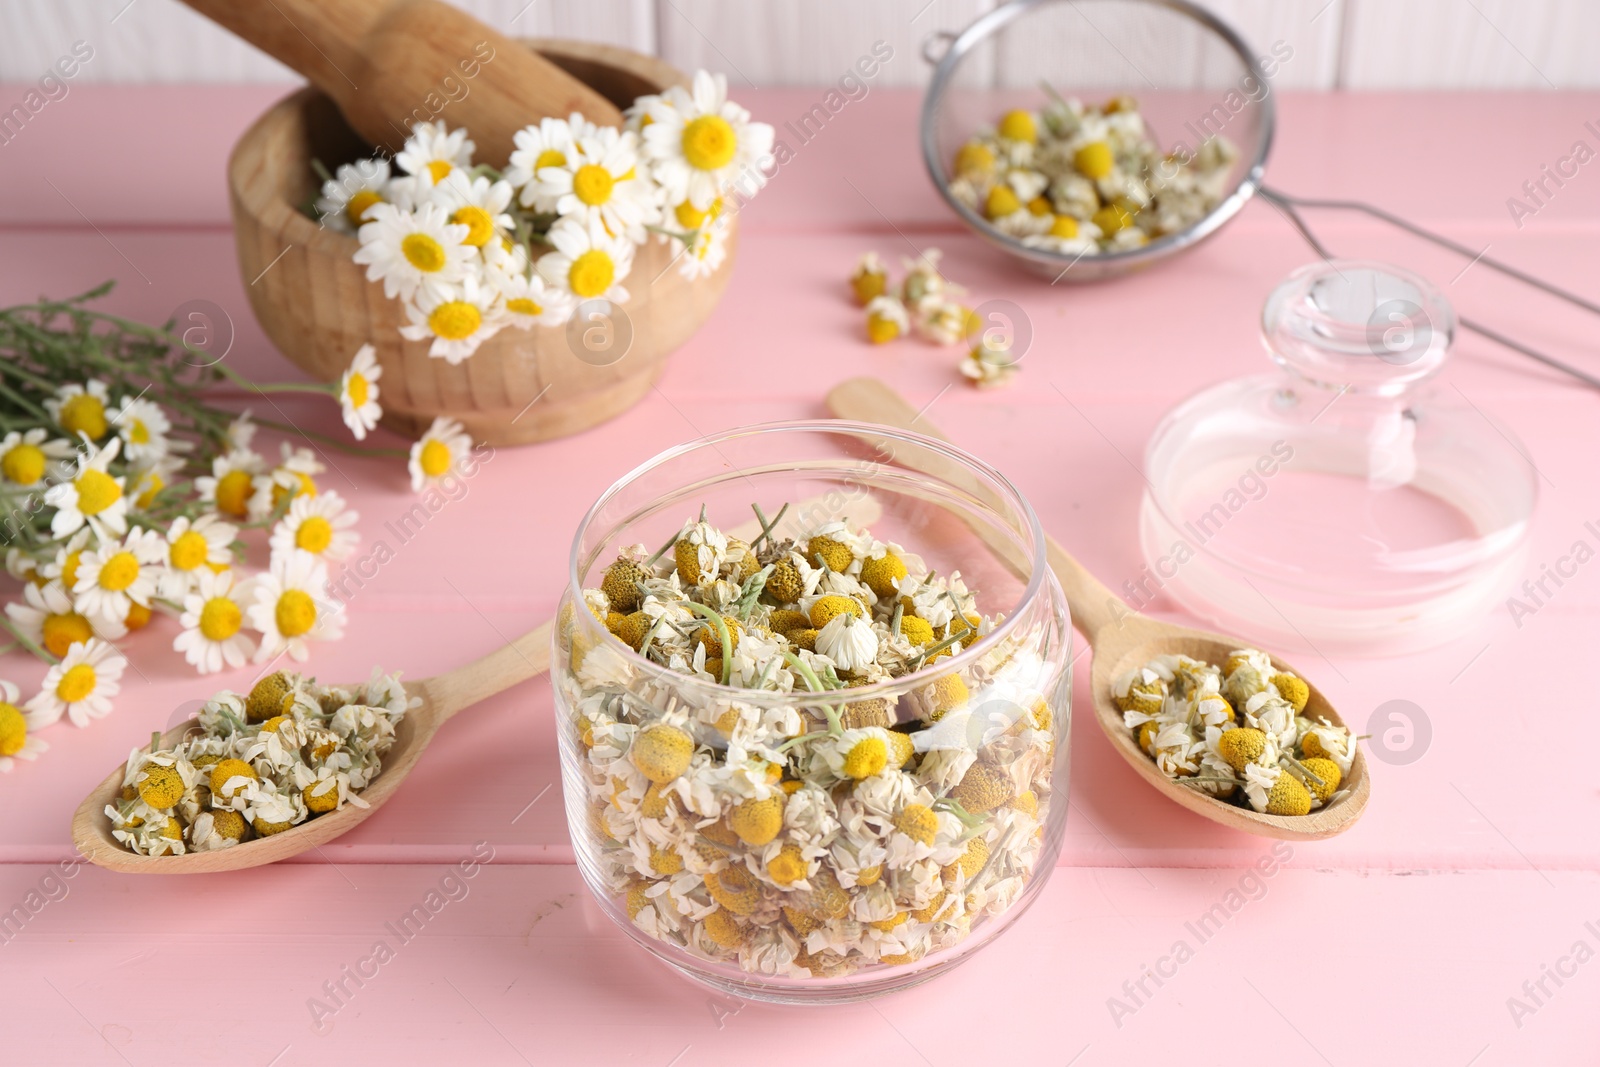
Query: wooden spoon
pixel 442 697
pixel 1122 640
pixel 391 63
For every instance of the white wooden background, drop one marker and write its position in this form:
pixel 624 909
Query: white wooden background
pixel 1354 44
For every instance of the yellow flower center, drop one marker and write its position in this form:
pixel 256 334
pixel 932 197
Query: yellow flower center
pixel 84 414
pixel 23 465
pixel 550 157
pixel 138 433
pixel 709 142
pixel 314 534
pixel 296 613
pixel 435 459
pixel 866 758
pixel 454 320
pixel 521 305
pixel 1064 227
pixel 356 390
pixel 97 491
pixel 305 487
pixel 592 184
pixel 592 273
pixel 233 493
pixel 119 572
pixel 58 633
pixel 438 169
pixel 1094 160
pixel 138 616
pixel 220 618
pixel 355 209
pixel 69 569
pixel 189 551
pixel 152 485
pixel 13 730
pixel 1018 126
pixel 480 227
pixel 76 683
pixel 422 252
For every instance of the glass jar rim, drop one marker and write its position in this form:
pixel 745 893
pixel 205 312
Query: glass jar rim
pixel 930 670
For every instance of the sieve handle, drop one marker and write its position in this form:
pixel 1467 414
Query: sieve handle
pixel 936 46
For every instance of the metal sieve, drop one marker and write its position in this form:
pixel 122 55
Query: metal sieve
pixel 1193 77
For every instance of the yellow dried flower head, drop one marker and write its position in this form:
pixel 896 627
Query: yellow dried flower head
pixel 826 608
pixel 1018 125
pixel 784 584
pixel 613 620
pixel 788 866
pixel 325 801
pixel 1147 737
pixel 918 822
pixel 1027 801
pixel 687 556
pixel 173 830
pixel 655 803
pixel 1002 201
pixel 757 821
pixel 1293 689
pixel 897 959
pixel 714 666
pixel 783 620
pixel 1112 218
pixel 1288 796
pixel 665 860
pixel 748 565
pixel 863 713
pixel 1094 160
pixel 272 725
pixel 918 631
pixel 1242 746
pixel 828 898
pixel 267 829
pixel 708 636
pixel 1144 697
pixel 888 925
pixel 720 832
pixel 926 914
pixel 869 875
pixel 635 899
pixel 946 695
pixel 835 555
pixel 1043 717
pixel 662 752
pixel 901 748
pixel 229 824
pixel 883 574
pixel 621 584
pixel 735 889
pixel 160 786
pixel 1328 771
pixel 804 639
pixel 800 921
pixel 970 862
pixel 227 769
pixel 983 788
pixel 866 758
pixel 973 159
pixel 724 929
pixel 268 697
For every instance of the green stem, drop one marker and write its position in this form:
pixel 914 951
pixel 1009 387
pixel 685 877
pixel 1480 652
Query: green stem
pixel 25 641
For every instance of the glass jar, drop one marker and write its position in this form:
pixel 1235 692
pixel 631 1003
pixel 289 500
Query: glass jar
pixel 909 867
pixel 1345 503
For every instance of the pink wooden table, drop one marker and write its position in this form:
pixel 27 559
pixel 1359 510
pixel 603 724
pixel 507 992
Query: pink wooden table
pixel 1473 879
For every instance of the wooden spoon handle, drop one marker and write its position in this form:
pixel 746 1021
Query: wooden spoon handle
pixel 524 658
pixel 391 63
pixel 870 400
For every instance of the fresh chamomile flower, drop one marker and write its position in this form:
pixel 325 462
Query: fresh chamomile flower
pixel 476 203
pixel 587 262
pixel 143 427
pixel 441 448
pixel 700 142
pixel 851 643
pixel 292 608
pixel 526 301
pixel 195 547
pixel 119 574
pixel 413 250
pixel 230 488
pixel 28 456
pixel 80 410
pixel 295 475
pixel 241 432
pixel 432 150
pixel 146 483
pixel 706 251
pixel 15 741
pixel 458 319
pixel 213 624
pixel 350 193
pixel 549 144
pixel 47 617
pixel 358 392
pixel 317 524
pixel 92 496
pixel 599 183
pixel 80 686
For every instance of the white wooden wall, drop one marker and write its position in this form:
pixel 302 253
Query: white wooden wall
pixel 1355 44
